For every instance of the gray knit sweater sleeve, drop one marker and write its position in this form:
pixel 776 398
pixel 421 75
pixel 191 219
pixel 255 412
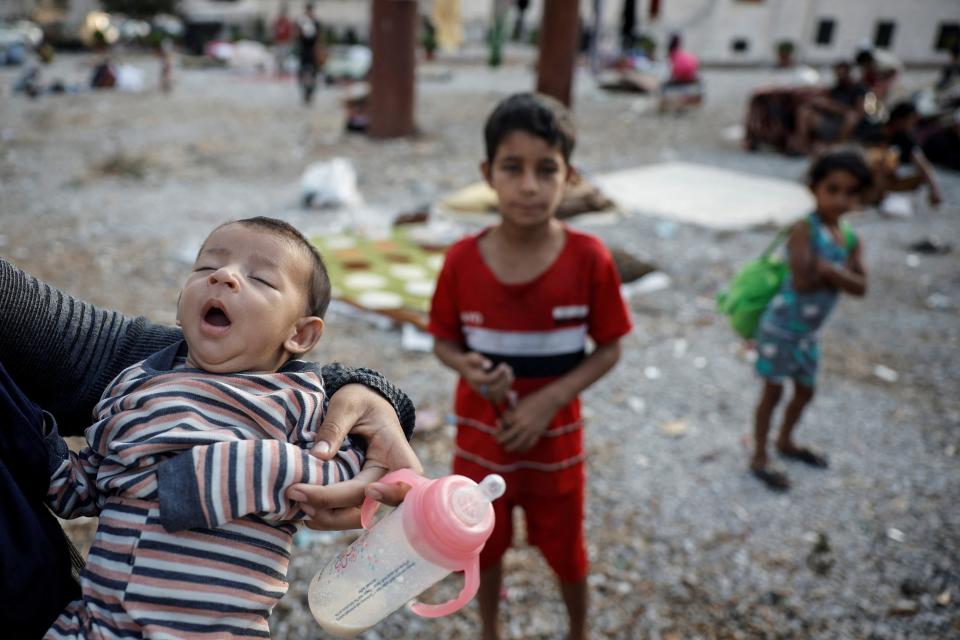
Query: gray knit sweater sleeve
pixel 62 352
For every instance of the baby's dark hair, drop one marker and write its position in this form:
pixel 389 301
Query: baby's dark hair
pixel 536 114
pixel 318 286
pixel 849 161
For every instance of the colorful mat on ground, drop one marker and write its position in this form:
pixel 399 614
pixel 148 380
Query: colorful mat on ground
pixel 393 276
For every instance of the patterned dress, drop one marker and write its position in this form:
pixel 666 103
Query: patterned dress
pixel 787 336
pixel 187 471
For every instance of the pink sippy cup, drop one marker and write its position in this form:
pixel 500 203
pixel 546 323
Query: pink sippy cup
pixel 440 527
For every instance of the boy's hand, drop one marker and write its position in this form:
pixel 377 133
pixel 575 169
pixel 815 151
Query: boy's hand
pixel 523 425
pixel 489 381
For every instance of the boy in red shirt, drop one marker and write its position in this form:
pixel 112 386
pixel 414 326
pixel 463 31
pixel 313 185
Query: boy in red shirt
pixel 511 314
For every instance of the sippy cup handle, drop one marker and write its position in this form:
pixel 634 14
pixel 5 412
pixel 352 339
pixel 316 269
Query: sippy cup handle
pixel 471 582
pixel 369 506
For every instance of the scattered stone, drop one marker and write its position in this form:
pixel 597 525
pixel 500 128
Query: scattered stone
pixel 821 560
pixel 896 535
pixel 674 428
pixel 943 599
pixel 904 608
pixel 637 405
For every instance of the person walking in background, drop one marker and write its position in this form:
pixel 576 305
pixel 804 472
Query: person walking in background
pixel 511 314
pixel 311 51
pixel 825 258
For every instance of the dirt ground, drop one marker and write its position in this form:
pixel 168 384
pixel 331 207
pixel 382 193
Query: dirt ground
pixel 108 195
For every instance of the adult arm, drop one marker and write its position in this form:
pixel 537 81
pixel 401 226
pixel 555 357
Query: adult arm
pixel 63 352
pixel 929 176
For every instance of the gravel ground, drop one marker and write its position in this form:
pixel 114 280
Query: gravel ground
pixel 108 195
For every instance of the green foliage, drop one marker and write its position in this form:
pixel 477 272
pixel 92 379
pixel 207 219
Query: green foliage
pixel 140 8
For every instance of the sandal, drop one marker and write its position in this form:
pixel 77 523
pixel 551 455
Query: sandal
pixel 775 480
pixel 805 456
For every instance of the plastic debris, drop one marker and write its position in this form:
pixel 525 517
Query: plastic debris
pixel 896 535
pixel 331 183
pixel 885 373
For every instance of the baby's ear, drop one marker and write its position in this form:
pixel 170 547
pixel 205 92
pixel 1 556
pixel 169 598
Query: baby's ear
pixel 308 330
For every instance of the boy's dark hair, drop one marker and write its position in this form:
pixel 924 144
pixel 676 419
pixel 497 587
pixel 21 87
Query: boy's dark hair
pixel 902 111
pixel 849 161
pixel 318 286
pixel 536 114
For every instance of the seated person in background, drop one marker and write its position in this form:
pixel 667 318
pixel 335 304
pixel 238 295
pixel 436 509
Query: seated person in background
pixel 684 66
pixel 947 88
pixel 879 70
pixel 942 147
pixel 192 450
pixel 897 161
pixel 831 117
pixel 682 88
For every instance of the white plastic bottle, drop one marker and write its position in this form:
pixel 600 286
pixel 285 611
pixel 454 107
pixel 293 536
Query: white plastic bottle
pixel 440 527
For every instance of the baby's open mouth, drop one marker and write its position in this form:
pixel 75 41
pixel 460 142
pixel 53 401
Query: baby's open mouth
pixel 216 317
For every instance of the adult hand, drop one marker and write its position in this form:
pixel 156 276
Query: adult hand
pixel 359 411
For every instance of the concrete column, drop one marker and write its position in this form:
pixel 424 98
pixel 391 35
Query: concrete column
pixel 559 31
pixel 393 41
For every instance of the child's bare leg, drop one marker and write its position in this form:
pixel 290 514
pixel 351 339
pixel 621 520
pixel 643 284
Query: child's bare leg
pixel 488 597
pixel 576 598
pixel 802 395
pixel 768 402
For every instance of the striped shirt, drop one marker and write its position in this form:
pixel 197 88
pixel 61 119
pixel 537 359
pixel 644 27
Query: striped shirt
pixel 187 471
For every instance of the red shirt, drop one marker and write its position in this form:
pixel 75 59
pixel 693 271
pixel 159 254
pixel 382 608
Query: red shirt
pixel 282 30
pixel 540 329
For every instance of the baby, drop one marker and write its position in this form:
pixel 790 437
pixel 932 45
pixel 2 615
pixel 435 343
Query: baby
pixel 192 449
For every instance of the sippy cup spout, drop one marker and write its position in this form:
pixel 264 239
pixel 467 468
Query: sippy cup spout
pixel 470 504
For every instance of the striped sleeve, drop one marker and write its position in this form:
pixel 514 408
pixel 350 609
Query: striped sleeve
pixel 73 488
pixel 213 484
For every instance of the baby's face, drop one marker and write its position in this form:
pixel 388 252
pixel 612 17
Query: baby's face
pixel 243 301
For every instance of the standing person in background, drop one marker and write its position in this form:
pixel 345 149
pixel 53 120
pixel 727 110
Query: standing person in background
pixel 282 39
pixel 310 50
pixel 518 27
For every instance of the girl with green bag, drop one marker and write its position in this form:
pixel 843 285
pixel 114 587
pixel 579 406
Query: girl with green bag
pixel 824 259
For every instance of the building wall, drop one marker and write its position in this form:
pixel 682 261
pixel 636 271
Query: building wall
pixel 711 26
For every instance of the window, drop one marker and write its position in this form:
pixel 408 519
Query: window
pixel 825 28
pixel 947 36
pixel 740 45
pixel 883 36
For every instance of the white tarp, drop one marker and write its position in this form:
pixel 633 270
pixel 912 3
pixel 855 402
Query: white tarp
pixel 707 196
